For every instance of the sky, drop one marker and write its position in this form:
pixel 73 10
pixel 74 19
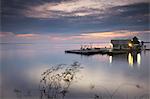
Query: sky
pixel 73 20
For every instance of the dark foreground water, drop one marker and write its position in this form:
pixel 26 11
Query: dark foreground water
pixel 103 77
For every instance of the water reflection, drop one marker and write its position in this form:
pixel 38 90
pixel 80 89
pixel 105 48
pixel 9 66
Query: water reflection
pixel 138 59
pixel 23 72
pixel 110 59
pixel 132 58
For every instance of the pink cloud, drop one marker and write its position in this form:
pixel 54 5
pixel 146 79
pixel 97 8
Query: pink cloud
pixel 25 35
pixel 114 34
pixel 84 37
pixel 6 34
pixel 94 36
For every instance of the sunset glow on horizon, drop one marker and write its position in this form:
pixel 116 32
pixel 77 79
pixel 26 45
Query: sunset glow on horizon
pixel 25 35
pixel 81 37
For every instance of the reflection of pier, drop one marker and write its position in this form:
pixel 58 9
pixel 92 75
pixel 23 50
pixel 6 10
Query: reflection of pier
pixel 132 58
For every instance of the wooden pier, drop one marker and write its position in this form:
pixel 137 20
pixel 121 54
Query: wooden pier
pixel 118 46
pixel 93 51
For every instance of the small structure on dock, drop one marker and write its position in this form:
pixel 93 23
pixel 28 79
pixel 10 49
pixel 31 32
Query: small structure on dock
pixel 126 44
pixel 121 44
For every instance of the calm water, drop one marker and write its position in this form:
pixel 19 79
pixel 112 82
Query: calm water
pixel 22 65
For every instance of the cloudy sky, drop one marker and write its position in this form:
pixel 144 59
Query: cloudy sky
pixel 73 19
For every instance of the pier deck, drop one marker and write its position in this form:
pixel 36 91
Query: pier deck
pixel 93 51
